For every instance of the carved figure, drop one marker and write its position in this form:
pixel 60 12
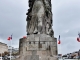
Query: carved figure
pixel 39 19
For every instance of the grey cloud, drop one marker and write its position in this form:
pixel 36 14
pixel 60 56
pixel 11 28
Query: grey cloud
pixel 66 18
pixel 12 19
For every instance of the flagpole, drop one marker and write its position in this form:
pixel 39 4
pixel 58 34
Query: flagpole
pixel 61 51
pixel 59 46
pixel 11 49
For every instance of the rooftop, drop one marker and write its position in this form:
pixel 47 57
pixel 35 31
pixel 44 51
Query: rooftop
pixel 3 43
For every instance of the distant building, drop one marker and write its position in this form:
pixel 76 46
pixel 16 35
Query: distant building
pixel 14 50
pixel 3 47
pixel 73 55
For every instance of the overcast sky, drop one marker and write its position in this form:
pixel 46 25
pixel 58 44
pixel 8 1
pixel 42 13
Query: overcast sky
pixel 66 22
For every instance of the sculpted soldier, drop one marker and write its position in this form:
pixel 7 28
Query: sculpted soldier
pixel 39 19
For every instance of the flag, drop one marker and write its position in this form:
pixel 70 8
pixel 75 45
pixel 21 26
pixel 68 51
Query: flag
pixel 78 39
pixel 79 35
pixel 9 38
pixel 59 42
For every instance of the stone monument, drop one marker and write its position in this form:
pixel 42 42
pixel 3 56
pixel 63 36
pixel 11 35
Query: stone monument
pixel 40 43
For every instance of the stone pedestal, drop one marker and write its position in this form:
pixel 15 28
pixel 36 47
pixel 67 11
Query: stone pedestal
pixel 38 47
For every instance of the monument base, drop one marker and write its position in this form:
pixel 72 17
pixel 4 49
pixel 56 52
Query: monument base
pixel 38 47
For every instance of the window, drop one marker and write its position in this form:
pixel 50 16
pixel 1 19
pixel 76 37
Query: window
pixel 43 42
pixel 49 48
pixel 56 52
pixel 34 42
pixel 29 42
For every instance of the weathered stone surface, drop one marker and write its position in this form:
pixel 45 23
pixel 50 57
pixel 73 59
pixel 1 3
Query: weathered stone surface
pixel 39 19
pixel 43 47
pixel 40 43
pixel 32 57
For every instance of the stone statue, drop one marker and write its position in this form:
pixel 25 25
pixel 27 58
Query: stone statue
pixel 39 17
pixel 40 43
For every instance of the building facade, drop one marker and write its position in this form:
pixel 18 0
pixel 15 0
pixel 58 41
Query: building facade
pixel 3 47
